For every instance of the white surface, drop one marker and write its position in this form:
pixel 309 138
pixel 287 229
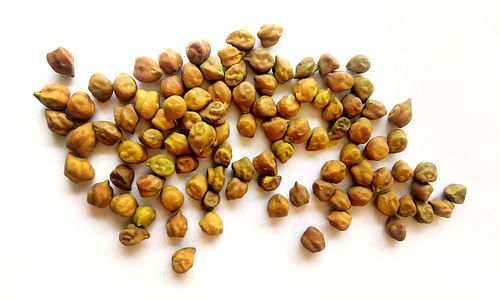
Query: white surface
pixel 442 55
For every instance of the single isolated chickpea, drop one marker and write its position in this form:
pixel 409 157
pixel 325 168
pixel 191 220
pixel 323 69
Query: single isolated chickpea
pixel 299 195
pixel 327 63
pixel 177 225
pixel 305 89
pixel 58 122
pixel 82 140
pixel 172 85
pixel 265 163
pixel 124 87
pixel 376 149
pixel 122 177
pixel 236 189
pixel 269 183
pixel 149 185
pixel 53 96
pixel 80 107
pixel 61 61
pixel 107 132
pixel 358 64
pixel 123 205
pixel 333 171
pixel 313 240
pixel 396 228
pixel 171 198
pixel 455 193
pixel 241 39
pixel 186 164
pixel 277 206
pixel 197 186
pixel 282 150
pixel 362 173
pixel 146 70
pixel 397 141
pixel 211 224
pixel 269 34
pixel 170 60
pixel 126 118
pixel 425 172
pixel 288 106
pixel 100 194
pixel 151 138
pixel 298 131
pixel 305 68
pixel 133 235
pixel 442 207
pixel 401 114
pixel 319 139
pixel 340 220
pixel 132 152
pixel 78 169
pixel 182 260
pixel 244 96
pixel 401 171
pixel 282 70
pixel 161 165
pixel 144 216
pixel 374 109
pixel 323 190
pixel 100 87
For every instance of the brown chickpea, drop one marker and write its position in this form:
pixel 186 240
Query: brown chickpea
pixel 374 109
pixel 222 132
pixel 319 139
pixel 191 76
pixel 126 118
pixel 340 219
pixel 265 84
pixel 340 200
pixel 382 180
pixel 327 64
pixel 247 125
pixel 100 87
pixel 214 113
pixel 197 186
pixel 352 105
pixel 230 55
pixel 421 191
pixel 122 176
pixel 360 195
pixel 397 141
pixel 260 60
pixel 265 163
pixel 333 171
pixel 235 74
pixel 264 107
pixel 288 106
pixel 147 103
pixel 388 203
pixel 196 99
pixel 160 122
pixel 298 131
pixel 187 122
pixel 198 51
pixel 212 69
pixel 174 107
pixel 82 140
pixel 151 138
pixel 236 189
pixel 275 128
pixel 242 39
pixel 339 81
pixel 171 198
pixel 333 110
pixel 282 70
pixel 277 206
pixel 376 149
pixel 170 61
pixel 407 206
pixel 107 132
pixel 401 114
pixel 402 172
pixel 201 139
pixel 100 194
pixel 220 92
pixel 244 96
pixel 80 107
pixel 124 87
pixel 269 34
pixel 146 70
pixel 305 89
pixel 177 144
pixel 78 169
pixel 362 173
pixel 322 99
pixel 123 205
pixel 360 131
pixel 177 225
pixel 53 96
pixel 350 154
pixel 313 240
pixel 172 85
pixel 149 185
pixel 186 164
pixel 323 190
pixel 58 122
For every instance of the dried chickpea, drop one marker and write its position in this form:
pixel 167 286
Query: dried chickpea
pixel 187 122
pixel 275 128
pixel 230 55
pixel 151 138
pixel 160 122
pixel 126 118
pixel 186 164
pixel 196 99
pixel 442 207
pixel 222 132
pixel 282 70
pixel 350 154
pixel 171 198
pixel 170 61
pixel 388 203
pixel 360 195
pixel 214 113
pixel 201 139
pixel 58 122
pixel 265 84
pixel 382 180
pixel 223 154
pixel 212 69
pixel 107 132
pixel 243 169
pixel 132 235
pixel 396 228
pixel 340 200
pixel 197 186
pixel 149 185
pixel 236 189
pixel 172 85
pixel 362 173
pixel 401 114
pixel 122 176
pixel 352 105
pixel 265 164
pixel 421 191
pixel 146 70
pixel 211 224
pixel 407 206
pixel 425 214
pixel 358 64
pixel 323 190
pixel 264 107
pixel 277 206
pixel 182 260
pixel 177 144
pixel 333 171
pixel 132 152
pixel 216 177
pixel 339 219
pixel 124 87
pixel 282 150
pixel 313 240
pixel 288 106
pixel 78 169
pixel 305 89
pixel 425 172
pixel 333 110
pixel 397 141
pixel 235 74
pixel 53 96
pixel 220 92
pixel 305 68
pixel 298 131
pixel 147 103
pixel 455 193
pixel 362 87
pixel 144 216
pixel 327 63
pixel 322 98
pixel 191 76
pixel 174 107
pixel 269 183
pixel 80 107
pixel 339 81
pixel 401 171
pixel 82 140
pixel 242 39
pixel 260 60
pixel 269 34
pixel 244 96
pixel 360 131
pixel 61 61
pixel 374 110
pixel 299 195
pixel 319 139
pixel 123 205
pixel 210 201
pixel 198 51
pixel 177 225
pixel 339 128
pixel 100 194
pixel 376 149
pixel 161 165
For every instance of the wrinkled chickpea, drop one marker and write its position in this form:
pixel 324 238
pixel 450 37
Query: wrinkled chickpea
pixel 123 205
pixel 220 92
pixel 132 235
pixel 407 206
pixel 352 105
pixel 107 132
pixel 350 154
pixel 421 191
pixel 264 107
pixel 397 141
pixel 282 70
pixel 196 99
pixel 260 60
pixel 425 214
pixel 339 128
pixel 374 109
pixel 319 139
pixel 247 125
pixel 177 144
pixel 216 177
pixel 82 140
pixel 186 164
pixel 236 189
pixel 242 39
pixel 230 56
pixel 455 193
pixel 376 149
pixel 78 169
pixel 211 224
pixel 100 194
pixel 147 103
pixel 339 219
pixel 80 107
pixel 187 122
pixel 161 165
pixel 298 131
pixel 305 68
pixel 244 96
pixel 223 154
pixel 197 186
pixel 339 81
pixel 327 63
pixel 191 76
pixel 170 60
pixel 212 69
pixel 151 138
pixel 396 228
pixel 388 203
pixel 235 74
pixel 160 122
pixel 277 206
pixel 288 106
pixel 144 216
pixel 442 207
pixel 275 128
pixel 122 177
pixel 425 172
pixel 201 139
pixel 174 107
pixel 100 87
pixel 124 87
pixel 58 122
pixel 322 98
pixel 359 195
pixel 299 195
pixel 360 131
pixel 265 84
pixel 210 201
pixel 177 225
pixel 358 64
pixel 172 85
pixel 61 61
pixel 333 171
pixel 333 110
pixel 182 260
pixel 362 87
pixel 243 169
pixel 313 240
pixel 305 89
pixel 362 173
pixel 149 185
pixel 401 114
pixel 198 51
pixel 269 183
pixel 265 163
pixel 171 198
pixel 132 152
pixel 282 150
pixel 401 171
pixel 126 118
pixel 340 200
pixel 323 190
pixel 382 180
pixel 146 70
pixel 214 113
pixel 53 96
pixel 269 34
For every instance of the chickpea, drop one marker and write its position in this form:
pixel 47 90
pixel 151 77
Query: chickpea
pixel 80 107
pixel 298 131
pixel 174 107
pixel 78 169
pixel 376 149
pixel 132 152
pixel 244 96
pixel 171 198
pixel 124 87
pixel 172 85
pixel 123 205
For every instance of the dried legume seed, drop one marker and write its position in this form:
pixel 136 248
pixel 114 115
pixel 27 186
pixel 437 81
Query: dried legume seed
pixel 244 96
pixel 243 169
pixel 260 60
pixel 265 163
pixel 107 132
pixel 421 191
pixel 305 89
pixel 340 200
pixel 186 164
pixel 247 125
pixel 339 219
pixel 53 96
pixel 442 207
pixel 376 149
pixel 401 171
pixel 149 185
pixel 282 150
pixel 214 113
pixel 82 140
pixel 123 205
pixel 211 224
pixel 242 39
pixel 161 165
pixel 216 177
pixel 277 206
pixel 191 76
pixel 170 60
pixel 322 98
pixel 132 152
pixel 100 194
pixel 313 240
pixel 198 51
pixel 124 87
pixel 333 171
pixel 298 131
pixel 339 128
pixel 212 69
pixel 265 84
pixel 269 183
pixel 58 122
pixel 359 64
pixel 359 195
pixel 305 68
pixel 397 141
pixel 275 128
pixel 269 34
pixel 144 216
pixel 230 55
pixel 362 173
pixel 323 190
pixel 339 81
pixel 220 92
pixel 133 235
pixel 210 201
pixel 288 106
pixel 126 118
pixel 78 169
pixel 100 87
pixel 382 180
pixel 223 154
pixel 388 203
pixel 396 228
pixel 172 85
pixel 425 214
pixel 174 107
pixel 201 139
pixel 177 225
pixel 122 177
pixel 171 198
pixel 407 206
pixel 222 132
pixel 327 63
pixel 236 189
pixel 146 70
pixel 151 138
pixel 360 131
pixel 425 172
pixel 350 154
pixel 401 114
pixel 299 195
pixel 362 87
pixel 197 186
pixel 61 61
pixel 235 74
pixel 282 70
pixel 318 140
pixel 161 122
pixel 333 110
pixel 80 107
pixel 374 109
pixel 182 260
pixel 455 193
pixel 264 107
pixel 352 105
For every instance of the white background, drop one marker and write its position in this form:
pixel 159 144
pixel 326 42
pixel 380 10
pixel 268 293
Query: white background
pixel 442 54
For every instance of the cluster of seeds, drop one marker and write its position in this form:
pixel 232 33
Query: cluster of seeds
pixel 191 124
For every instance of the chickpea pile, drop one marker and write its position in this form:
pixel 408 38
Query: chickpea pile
pixel 188 123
